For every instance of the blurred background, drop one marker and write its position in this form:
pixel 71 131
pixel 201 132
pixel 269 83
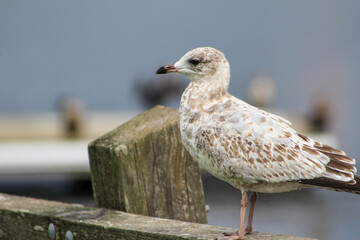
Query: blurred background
pixel 70 71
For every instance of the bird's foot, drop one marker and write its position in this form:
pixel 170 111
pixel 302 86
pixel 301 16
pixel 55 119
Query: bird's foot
pixel 235 237
pixel 248 230
pixel 232 236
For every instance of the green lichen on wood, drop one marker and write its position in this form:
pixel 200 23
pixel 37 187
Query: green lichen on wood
pixel 142 167
pixel 28 218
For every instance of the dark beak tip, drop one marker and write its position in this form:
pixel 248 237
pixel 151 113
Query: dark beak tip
pixel 161 70
pixel 166 69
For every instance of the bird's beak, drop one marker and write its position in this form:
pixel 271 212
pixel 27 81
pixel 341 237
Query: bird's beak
pixel 167 69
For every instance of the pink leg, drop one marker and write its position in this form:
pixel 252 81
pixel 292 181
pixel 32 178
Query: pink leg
pixel 253 198
pixel 240 234
pixel 244 201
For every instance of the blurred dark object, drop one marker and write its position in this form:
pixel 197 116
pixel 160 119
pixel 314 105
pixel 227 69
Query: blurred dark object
pixel 57 187
pixel 159 90
pixel 320 114
pixel 72 116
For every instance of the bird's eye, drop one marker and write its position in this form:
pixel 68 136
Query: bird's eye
pixel 194 61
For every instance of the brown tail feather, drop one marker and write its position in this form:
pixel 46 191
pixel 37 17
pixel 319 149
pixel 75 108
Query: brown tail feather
pixel 340 165
pixel 334 184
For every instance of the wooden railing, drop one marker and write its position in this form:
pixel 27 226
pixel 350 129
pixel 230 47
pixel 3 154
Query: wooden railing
pixel 140 168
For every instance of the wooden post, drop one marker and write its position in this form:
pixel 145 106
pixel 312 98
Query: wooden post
pixel 142 167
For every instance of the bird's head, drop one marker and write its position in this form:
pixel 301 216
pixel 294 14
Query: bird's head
pixel 200 64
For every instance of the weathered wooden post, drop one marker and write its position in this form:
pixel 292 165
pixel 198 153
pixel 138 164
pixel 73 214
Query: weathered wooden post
pixel 142 167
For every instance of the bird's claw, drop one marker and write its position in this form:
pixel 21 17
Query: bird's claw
pixel 248 231
pixel 232 236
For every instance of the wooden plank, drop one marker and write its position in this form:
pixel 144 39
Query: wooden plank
pixel 142 167
pixel 28 218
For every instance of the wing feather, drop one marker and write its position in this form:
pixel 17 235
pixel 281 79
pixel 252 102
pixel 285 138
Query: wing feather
pixel 261 146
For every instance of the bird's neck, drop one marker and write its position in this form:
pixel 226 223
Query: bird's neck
pixel 202 94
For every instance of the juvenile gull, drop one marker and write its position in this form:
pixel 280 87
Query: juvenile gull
pixel 249 148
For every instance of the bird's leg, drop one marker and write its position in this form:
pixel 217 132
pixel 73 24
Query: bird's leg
pixel 244 201
pixel 253 198
pixel 240 234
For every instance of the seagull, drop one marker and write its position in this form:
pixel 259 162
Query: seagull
pixel 251 149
